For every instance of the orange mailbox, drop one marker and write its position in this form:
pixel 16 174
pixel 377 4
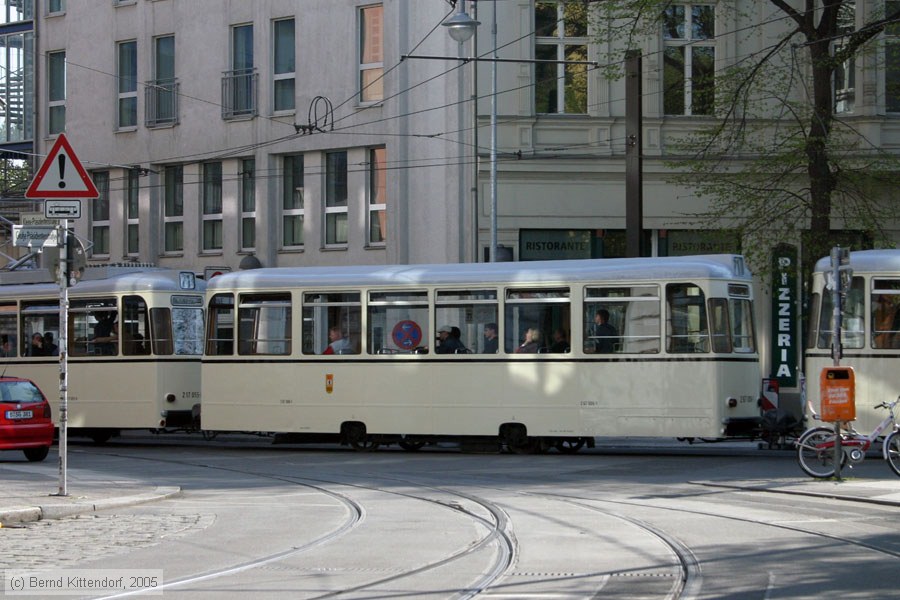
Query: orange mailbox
pixel 838 389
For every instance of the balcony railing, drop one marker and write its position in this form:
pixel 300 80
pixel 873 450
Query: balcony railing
pixel 239 94
pixel 161 102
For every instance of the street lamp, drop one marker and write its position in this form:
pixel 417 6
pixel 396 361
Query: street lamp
pixel 461 28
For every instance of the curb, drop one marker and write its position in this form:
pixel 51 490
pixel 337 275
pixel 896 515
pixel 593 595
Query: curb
pixel 833 495
pixel 59 511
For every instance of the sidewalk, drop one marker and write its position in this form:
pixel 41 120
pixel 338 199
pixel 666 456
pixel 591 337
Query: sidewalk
pixel 29 492
pixel 874 491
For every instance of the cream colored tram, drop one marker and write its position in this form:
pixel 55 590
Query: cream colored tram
pixel 870 332
pixel 682 360
pixel 145 377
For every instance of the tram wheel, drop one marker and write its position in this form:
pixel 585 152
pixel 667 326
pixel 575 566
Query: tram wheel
pixel 531 445
pixel 364 445
pixel 411 446
pixel 569 445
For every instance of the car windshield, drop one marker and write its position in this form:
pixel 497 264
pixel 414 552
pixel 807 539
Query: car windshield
pixel 19 391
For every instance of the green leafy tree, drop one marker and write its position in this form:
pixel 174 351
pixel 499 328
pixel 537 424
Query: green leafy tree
pixel 774 159
pixel 15 175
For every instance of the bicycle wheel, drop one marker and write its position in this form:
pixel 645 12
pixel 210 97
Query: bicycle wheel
pixel 892 451
pixel 815 452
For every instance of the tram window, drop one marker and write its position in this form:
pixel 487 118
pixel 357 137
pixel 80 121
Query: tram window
pixel 161 331
pixel 686 325
pixel 397 323
pixel 331 323
pixel 813 333
pixel 8 340
pixel 220 329
pixel 264 324
pixel 742 332
pixel 539 311
pixel 634 313
pixel 719 325
pixel 470 311
pixel 40 328
pixel 852 322
pixel 885 312
pixel 91 327
pixel 135 328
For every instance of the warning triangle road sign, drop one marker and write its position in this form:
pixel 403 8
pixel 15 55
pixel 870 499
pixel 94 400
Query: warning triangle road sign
pixel 61 175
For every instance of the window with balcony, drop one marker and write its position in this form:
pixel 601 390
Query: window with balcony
pixel 371 53
pixel 126 71
pixel 689 59
pixel 212 206
pixel 173 209
pixel 292 211
pixel 16 11
pixel 248 204
pixel 239 85
pixel 100 215
pixel 845 72
pixel 161 92
pixel 377 196
pixel 283 76
pixel 132 213
pixel 16 87
pixel 561 30
pixel 56 92
pixel 335 198
pixel 892 60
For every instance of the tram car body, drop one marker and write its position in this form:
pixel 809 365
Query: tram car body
pixel 682 361
pixel 870 332
pixel 134 340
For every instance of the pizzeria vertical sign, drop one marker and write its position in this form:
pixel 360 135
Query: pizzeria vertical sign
pixel 785 340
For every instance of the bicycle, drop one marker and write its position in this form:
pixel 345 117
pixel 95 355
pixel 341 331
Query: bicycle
pixel 815 447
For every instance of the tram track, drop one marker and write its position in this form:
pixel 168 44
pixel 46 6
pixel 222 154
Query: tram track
pixel 497 525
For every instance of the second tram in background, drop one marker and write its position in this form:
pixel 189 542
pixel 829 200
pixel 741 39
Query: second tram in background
pixel 543 353
pixel 870 332
pixel 135 339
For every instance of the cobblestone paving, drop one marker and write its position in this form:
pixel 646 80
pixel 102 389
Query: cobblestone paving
pixel 64 543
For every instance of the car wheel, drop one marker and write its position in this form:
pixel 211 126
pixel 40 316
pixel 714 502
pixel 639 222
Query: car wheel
pixel 37 454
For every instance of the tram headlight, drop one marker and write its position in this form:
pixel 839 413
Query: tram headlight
pixel 732 402
pixel 170 398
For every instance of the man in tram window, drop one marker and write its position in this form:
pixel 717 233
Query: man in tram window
pixel 7 349
pixel 491 341
pixel 339 342
pixel 447 342
pixel 50 349
pixel 885 328
pixel 560 343
pixel 106 344
pixel 601 335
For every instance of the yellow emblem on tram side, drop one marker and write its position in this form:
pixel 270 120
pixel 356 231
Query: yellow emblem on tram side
pixel 329 382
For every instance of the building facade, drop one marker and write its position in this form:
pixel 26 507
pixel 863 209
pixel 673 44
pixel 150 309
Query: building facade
pixel 226 133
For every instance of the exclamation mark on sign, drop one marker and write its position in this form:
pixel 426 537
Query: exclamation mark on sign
pixel 61 161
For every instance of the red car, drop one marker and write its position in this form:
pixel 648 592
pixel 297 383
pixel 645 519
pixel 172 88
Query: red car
pixel 25 419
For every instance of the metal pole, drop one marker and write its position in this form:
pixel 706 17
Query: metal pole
pixel 634 201
pixel 63 278
pixel 493 257
pixel 836 345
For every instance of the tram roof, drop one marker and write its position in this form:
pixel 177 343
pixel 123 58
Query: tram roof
pixel 717 266
pixel 145 280
pixel 867 261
